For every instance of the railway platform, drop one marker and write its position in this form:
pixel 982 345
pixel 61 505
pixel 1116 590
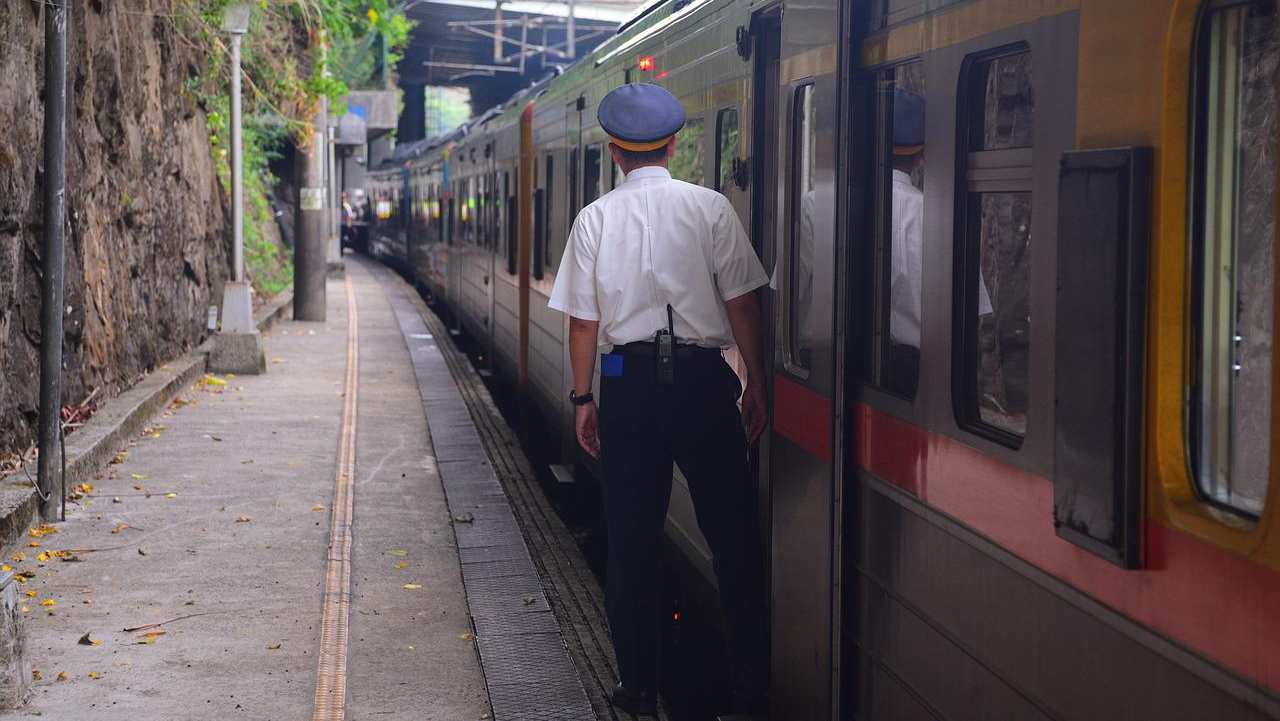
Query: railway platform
pixel 355 534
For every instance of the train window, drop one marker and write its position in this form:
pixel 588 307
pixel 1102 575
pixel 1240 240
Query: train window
pixel 688 162
pixel 1233 253
pixel 800 331
pixel 539 230
pixel 1004 113
pixel 573 184
pixel 513 224
pixel 591 160
pixel 899 153
pixel 726 146
pixel 546 205
pixel 993 308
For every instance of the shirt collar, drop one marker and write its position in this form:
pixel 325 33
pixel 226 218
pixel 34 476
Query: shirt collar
pixel 648 171
pixel 902 176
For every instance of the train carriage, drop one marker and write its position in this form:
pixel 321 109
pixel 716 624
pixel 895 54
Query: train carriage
pixel 1019 462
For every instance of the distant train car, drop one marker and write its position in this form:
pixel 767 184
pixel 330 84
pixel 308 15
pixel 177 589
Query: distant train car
pixel 1022 314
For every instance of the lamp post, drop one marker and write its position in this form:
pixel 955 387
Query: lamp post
pixel 238 346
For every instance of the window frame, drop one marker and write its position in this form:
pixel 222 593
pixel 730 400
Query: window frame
pixel 1198 142
pixel 792 363
pixel 718 168
pixel 998 171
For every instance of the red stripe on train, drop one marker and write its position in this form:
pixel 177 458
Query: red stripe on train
pixel 1215 602
pixel 802 416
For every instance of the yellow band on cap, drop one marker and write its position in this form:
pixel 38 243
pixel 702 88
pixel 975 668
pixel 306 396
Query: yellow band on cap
pixel 640 147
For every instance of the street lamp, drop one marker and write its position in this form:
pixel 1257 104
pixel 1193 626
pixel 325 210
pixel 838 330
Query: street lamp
pixel 238 347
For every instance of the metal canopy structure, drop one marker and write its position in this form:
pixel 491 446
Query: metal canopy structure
pixel 494 49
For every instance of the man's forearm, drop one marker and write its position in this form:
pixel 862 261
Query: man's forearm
pixel 744 321
pixel 582 352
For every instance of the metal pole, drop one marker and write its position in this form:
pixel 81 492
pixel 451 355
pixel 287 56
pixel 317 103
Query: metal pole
pixel 237 161
pixel 52 255
pixel 497 34
pixel 310 261
pixel 524 39
pixel 573 34
pixel 335 208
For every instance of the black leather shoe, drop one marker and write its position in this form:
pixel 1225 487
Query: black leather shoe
pixel 635 702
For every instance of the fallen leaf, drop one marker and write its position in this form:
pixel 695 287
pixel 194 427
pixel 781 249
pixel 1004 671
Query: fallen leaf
pixel 243 519
pixel 119 527
pixel 116 499
pixel 34 544
pixel 95 675
pixel 413 586
pixel 150 637
pixel 139 476
pixel 465 636
pixel 35 674
pixel 43 529
pixel 142 551
pixel 277 360
pixel 4 567
pixel 170 495
pixel 120 457
pixel 42 556
pixel 137 487
pixel 48 603
pixel 86 641
pixel 19 557
pixel 216 438
pixel 212 380
pixel 398 552
pixel 31 594
pixel 464 518
pixel 530 599
pixel 317 507
pixel 273 647
pixel 26 609
pixel 401 564
pixel 62 675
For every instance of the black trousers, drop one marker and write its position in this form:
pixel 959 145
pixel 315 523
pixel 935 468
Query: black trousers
pixel 644 427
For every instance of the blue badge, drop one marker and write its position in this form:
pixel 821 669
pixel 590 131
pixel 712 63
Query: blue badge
pixel 611 365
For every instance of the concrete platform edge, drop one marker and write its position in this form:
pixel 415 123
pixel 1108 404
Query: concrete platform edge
pixel 96 443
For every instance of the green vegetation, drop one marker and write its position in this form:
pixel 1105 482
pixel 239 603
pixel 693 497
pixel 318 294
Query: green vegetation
pixel 296 52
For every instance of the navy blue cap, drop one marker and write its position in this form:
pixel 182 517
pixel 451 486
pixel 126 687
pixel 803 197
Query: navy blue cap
pixel 908 119
pixel 640 116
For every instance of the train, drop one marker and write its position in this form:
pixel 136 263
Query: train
pixel 1019 462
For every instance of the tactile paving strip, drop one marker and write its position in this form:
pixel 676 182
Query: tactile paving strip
pixel 528 670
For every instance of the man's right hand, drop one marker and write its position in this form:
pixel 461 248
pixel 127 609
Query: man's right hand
pixel 753 411
pixel 587 425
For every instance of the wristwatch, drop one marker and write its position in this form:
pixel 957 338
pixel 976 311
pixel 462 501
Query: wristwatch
pixel 580 400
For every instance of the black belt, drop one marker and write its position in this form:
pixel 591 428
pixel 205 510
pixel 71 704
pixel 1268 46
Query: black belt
pixel 649 349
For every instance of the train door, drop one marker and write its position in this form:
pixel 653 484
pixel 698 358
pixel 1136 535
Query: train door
pixel 800 448
pixel 493 242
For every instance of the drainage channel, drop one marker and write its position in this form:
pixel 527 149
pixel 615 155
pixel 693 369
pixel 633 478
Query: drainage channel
pixel 331 675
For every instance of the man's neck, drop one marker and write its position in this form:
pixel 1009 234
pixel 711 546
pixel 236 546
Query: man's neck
pixel 634 168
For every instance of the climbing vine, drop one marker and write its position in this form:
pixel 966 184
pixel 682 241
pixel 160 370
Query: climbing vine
pixel 295 53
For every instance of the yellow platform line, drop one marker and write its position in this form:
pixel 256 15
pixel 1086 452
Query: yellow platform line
pixel 331 677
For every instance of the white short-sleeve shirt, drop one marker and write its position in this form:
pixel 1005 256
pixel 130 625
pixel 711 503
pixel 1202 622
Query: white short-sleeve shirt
pixel 651 242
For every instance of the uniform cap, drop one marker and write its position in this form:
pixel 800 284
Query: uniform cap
pixel 908 122
pixel 640 116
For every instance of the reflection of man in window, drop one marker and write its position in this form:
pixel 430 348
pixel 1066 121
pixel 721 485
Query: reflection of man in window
pixel 906 271
pixel 907 243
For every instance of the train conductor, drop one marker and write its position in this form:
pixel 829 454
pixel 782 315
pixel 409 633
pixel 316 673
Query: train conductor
pixel 661 274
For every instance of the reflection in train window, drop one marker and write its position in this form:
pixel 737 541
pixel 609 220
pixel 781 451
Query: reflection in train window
pixel 900 161
pixel 800 320
pixel 572 183
pixel 591 174
pixel 1006 108
pixel 993 312
pixel 688 162
pixel 513 223
pixel 726 146
pixel 1233 252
